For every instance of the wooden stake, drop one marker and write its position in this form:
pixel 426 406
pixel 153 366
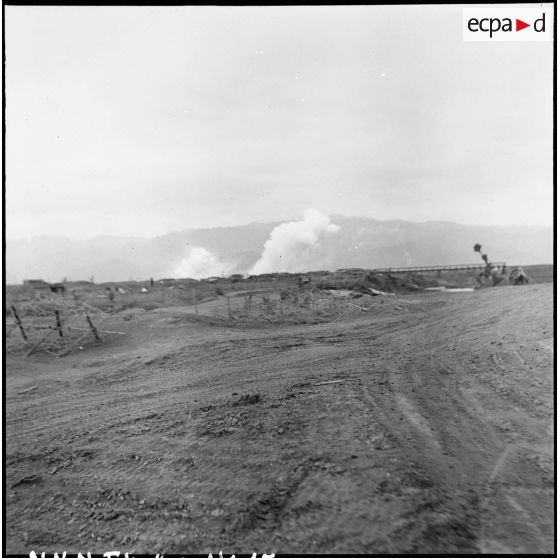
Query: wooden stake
pixel 195 301
pixel 58 323
pixel 18 321
pixel 229 305
pixel 93 328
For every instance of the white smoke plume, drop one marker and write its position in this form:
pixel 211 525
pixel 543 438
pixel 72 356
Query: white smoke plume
pixel 292 246
pixel 200 264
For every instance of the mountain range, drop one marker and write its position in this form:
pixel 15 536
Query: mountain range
pixel 359 242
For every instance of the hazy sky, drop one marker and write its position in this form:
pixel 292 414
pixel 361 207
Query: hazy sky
pixel 143 121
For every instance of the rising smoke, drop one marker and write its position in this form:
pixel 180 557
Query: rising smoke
pixel 293 246
pixel 199 264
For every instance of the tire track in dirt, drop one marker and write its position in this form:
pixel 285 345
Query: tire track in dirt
pixel 417 420
pixel 463 440
pixel 509 429
pixel 443 518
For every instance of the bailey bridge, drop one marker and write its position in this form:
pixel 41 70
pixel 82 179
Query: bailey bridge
pixel 439 268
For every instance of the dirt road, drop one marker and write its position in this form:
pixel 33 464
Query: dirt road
pixel 425 425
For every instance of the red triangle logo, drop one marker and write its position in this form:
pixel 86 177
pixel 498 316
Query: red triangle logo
pixel 519 25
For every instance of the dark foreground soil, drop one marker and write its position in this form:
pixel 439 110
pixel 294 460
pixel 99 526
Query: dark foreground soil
pixel 425 425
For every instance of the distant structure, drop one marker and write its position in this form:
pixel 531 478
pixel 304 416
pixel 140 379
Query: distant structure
pixel 59 288
pixel 40 286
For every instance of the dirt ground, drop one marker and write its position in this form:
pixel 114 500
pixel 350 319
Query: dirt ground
pixel 423 426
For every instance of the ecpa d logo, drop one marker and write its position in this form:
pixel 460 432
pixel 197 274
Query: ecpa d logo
pixel 508 24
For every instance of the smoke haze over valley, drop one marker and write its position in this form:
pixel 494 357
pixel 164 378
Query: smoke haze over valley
pixel 313 243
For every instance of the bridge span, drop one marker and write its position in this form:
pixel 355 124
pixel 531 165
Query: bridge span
pixel 439 268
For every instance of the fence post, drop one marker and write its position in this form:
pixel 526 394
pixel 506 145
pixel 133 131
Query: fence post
pixel 195 300
pixel 93 328
pixel 19 324
pixel 58 323
pixel 229 305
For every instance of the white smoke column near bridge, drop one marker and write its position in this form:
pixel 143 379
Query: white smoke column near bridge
pixel 292 246
pixel 199 264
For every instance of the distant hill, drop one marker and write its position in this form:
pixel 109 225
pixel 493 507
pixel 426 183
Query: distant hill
pixel 360 242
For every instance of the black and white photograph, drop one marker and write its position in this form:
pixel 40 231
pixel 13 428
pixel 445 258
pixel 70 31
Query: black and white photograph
pixel 279 279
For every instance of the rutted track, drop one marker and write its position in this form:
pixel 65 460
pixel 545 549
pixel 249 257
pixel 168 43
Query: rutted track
pixel 434 433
